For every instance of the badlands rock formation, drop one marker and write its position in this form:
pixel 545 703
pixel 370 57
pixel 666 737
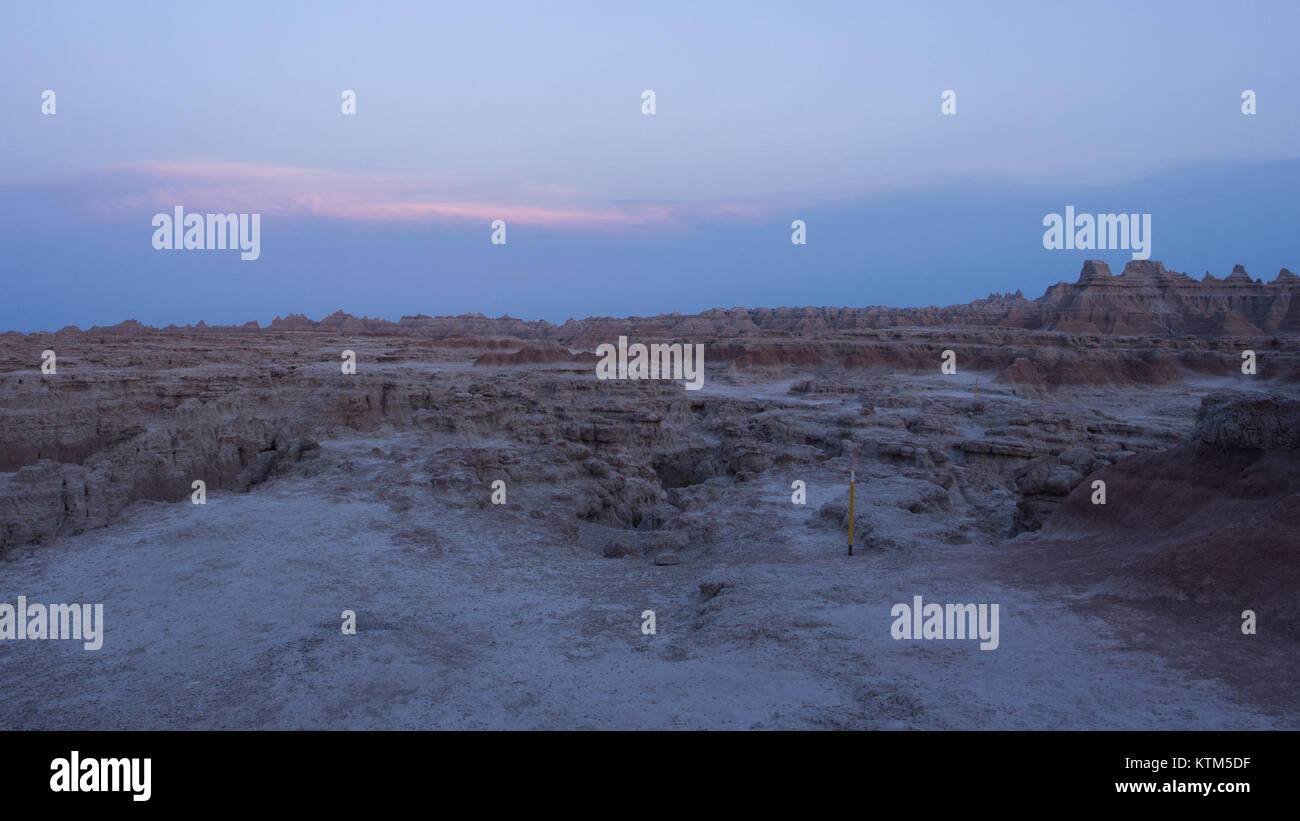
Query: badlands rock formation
pixel 140 413
pixel 373 490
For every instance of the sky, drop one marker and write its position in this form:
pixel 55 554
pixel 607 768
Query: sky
pixel 532 113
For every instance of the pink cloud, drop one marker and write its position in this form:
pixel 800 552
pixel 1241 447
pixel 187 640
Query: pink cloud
pixel 277 189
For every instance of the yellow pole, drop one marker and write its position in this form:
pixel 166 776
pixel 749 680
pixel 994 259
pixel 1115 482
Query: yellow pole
pixel 852 481
pixel 977 387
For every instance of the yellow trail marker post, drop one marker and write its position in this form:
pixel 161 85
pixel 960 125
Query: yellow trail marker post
pixel 852 480
pixel 977 387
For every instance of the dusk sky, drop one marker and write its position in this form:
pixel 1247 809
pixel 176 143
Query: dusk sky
pixel 532 113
